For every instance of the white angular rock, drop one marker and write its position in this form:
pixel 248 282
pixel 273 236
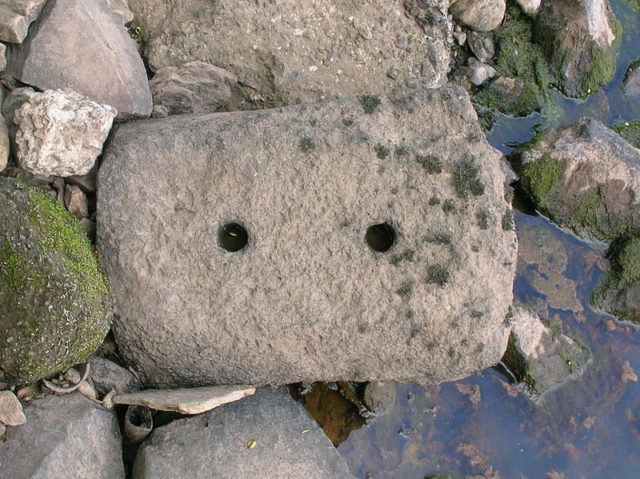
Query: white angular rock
pixel 480 15
pixel 185 401
pixel 479 72
pixel 11 410
pixel 530 7
pixel 4 143
pixel 61 132
pixel 16 16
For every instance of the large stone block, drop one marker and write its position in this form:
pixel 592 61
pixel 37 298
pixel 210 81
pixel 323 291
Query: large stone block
pixel 318 189
pixel 108 70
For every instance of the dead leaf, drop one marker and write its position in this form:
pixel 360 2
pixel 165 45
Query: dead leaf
pixel 475 396
pixel 628 373
pixel 512 389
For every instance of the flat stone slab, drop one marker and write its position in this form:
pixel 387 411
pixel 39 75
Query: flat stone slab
pixel 307 298
pixel 268 435
pixel 186 401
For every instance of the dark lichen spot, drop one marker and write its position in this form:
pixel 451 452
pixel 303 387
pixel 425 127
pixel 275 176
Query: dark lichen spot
pixel 466 179
pixel 483 219
pixel 508 223
pixel 437 274
pixel 476 314
pixel 479 348
pixel 475 248
pixel 434 201
pixel 438 238
pixel 404 256
pixel 307 144
pixel 405 289
pixel 395 190
pixel 448 206
pixel 402 151
pixel 347 121
pixel 369 103
pixel 381 151
pixel 431 164
pixel 431 345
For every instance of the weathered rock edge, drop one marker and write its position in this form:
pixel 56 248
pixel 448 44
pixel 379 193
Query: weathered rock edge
pixel 307 299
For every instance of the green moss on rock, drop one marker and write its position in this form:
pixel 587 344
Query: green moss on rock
pixel 629 130
pixel 539 178
pixel 53 299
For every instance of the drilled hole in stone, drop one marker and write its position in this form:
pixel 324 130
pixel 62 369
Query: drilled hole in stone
pixel 380 237
pixel 232 237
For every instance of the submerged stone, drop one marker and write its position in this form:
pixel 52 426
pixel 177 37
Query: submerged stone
pixel 54 305
pixel 254 259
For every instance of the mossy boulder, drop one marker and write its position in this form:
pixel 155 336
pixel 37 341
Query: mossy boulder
pixel 54 302
pixel 619 291
pixel 584 177
pixel 580 40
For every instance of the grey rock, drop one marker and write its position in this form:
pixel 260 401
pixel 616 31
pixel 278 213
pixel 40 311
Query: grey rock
pixel 579 42
pixel 54 306
pixel 195 87
pixel 76 201
pixel 16 16
pixel 108 376
pixel 632 81
pixel 380 397
pixel 65 437
pixel 287 444
pixel 121 9
pixel 10 409
pixel 307 298
pixel 482 45
pixel 479 72
pixel 542 355
pixel 109 71
pixel 289 52
pixel 530 7
pixel 3 58
pixel 585 177
pixel 3 429
pixel 480 15
pixel 4 143
pixel 60 132
pixel 185 401
pixel 461 37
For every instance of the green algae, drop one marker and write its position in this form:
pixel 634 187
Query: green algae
pixel 539 178
pixel 629 130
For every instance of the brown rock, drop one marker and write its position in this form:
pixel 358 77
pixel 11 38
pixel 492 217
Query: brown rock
pixel 11 410
pixel 76 201
pixel 481 15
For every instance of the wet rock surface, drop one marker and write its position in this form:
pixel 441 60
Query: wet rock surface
pixel 580 40
pixel 53 300
pixel 288 52
pixel 267 435
pixel 64 436
pixel 109 71
pixel 195 87
pixel 60 132
pixel 16 16
pixel 481 15
pixel 265 260
pixel 584 177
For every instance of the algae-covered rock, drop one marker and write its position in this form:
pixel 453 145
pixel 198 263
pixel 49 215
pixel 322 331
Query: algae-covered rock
pixel 54 308
pixel 629 130
pixel 584 177
pixel 581 40
pixel 619 291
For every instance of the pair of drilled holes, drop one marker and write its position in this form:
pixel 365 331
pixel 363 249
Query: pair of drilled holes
pixel 233 237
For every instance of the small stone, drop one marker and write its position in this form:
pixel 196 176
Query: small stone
pixel 86 389
pixel 72 376
pixel 10 409
pixel 60 132
pixel 4 143
pixel 186 401
pixel 479 72
pixel 480 15
pixel 482 45
pixel 461 37
pixel 108 376
pixel 530 7
pixel 380 397
pixel 159 111
pixel 394 73
pixel 76 201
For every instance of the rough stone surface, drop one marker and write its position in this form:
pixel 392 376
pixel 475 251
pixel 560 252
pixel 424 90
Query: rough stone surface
pixel 3 58
pixel 4 144
pixel 195 87
pixel 287 444
pixel 579 41
pixel 585 177
pixel 109 71
pixel 185 401
pixel 481 15
pixel 76 201
pixel 380 397
pixel 308 299
pixel 16 16
pixel 60 132
pixel 479 72
pixel 544 357
pixel 12 102
pixel 530 7
pixel 65 437
pixel 482 45
pixel 121 9
pixel 632 81
pixel 53 300
pixel 291 52
pixel 108 376
pixel 10 409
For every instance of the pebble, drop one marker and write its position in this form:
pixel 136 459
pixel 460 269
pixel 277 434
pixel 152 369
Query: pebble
pixel 11 410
